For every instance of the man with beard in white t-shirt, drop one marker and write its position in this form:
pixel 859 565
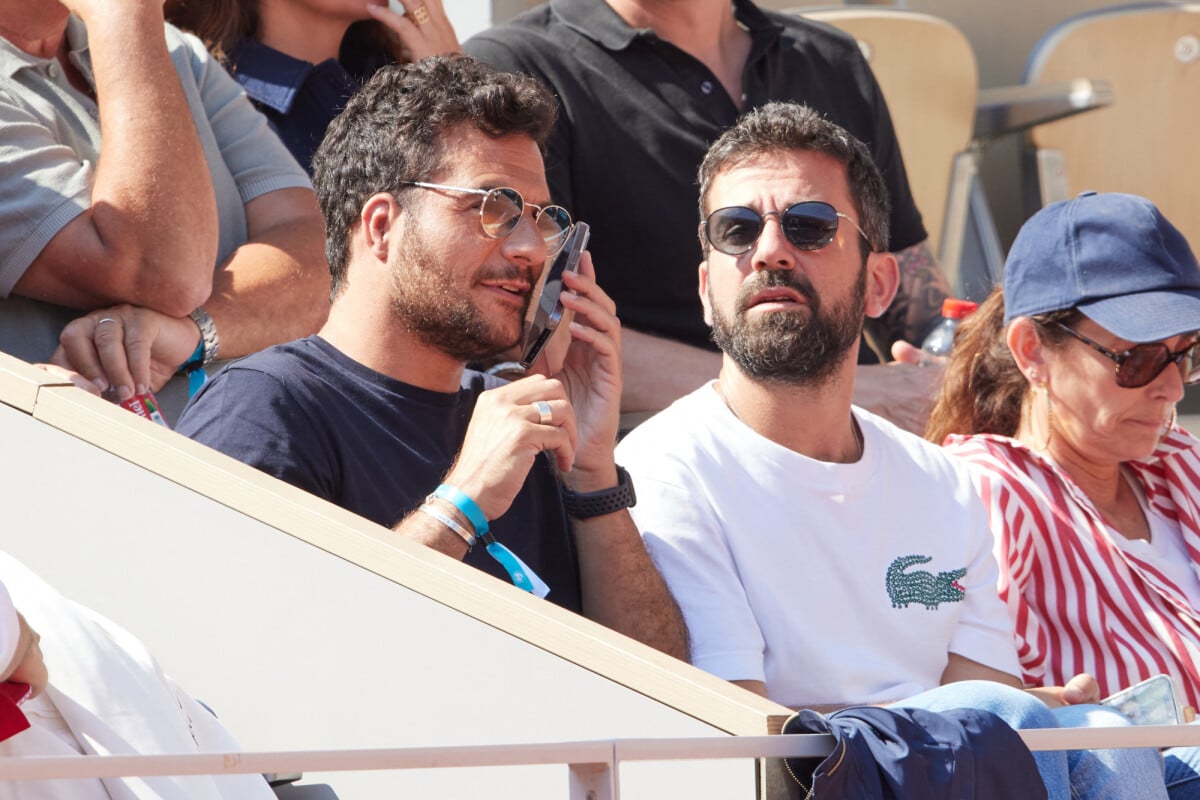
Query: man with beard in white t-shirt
pixel 821 556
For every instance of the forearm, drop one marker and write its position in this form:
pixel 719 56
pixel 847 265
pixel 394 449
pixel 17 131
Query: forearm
pixel 900 393
pixel 659 371
pixel 153 207
pixel 275 288
pixel 621 587
pixel 433 531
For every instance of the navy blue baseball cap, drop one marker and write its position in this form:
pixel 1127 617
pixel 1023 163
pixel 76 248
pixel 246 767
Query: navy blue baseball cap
pixel 1114 257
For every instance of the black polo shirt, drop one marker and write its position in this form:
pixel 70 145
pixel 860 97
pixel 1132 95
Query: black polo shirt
pixel 637 115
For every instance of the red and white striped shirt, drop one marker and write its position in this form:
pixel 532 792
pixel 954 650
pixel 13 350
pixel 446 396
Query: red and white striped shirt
pixel 1080 603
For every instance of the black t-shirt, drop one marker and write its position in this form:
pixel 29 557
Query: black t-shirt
pixel 637 115
pixel 308 414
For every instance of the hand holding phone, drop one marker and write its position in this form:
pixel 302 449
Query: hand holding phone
pixel 550 308
pixel 1154 701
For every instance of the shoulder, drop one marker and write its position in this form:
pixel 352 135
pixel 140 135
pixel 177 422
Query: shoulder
pixel 898 444
pixel 685 420
pixel 534 35
pixel 810 34
pixel 679 435
pixel 187 48
pixel 826 58
pixel 812 40
pixel 1178 449
pixel 987 453
pixel 276 382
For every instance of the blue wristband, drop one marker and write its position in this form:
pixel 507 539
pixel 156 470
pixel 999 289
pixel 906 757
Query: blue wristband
pixel 459 499
pixel 196 360
pixel 193 368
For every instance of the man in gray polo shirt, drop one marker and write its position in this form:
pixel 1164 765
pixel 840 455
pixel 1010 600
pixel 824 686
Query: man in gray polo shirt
pixel 125 245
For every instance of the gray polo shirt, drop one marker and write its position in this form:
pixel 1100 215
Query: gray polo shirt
pixel 50 145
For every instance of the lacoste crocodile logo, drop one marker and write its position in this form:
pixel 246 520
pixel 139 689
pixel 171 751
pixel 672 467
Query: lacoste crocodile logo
pixel 922 586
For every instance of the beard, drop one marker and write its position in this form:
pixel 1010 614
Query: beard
pixel 802 347
pixel 442 314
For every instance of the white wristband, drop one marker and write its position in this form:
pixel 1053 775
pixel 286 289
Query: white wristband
pixel 450 523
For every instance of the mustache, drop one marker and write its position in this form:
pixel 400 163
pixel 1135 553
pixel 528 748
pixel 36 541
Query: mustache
pixel 777 279
pixel 508 271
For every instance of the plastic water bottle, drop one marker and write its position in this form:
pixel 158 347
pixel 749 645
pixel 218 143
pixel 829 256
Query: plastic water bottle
pixel 941 338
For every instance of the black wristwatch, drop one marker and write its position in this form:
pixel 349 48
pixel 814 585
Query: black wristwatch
pixel 584 505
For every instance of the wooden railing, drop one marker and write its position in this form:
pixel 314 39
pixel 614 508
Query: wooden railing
pixel 594 766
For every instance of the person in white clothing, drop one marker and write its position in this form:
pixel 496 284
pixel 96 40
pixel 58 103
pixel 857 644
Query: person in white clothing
pixel 21 658
pixel 821 556
pixel 871 533
pixel 106 696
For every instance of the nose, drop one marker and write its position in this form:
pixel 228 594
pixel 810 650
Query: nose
pixel 773 250
pixel 1169 383
pixel 525 244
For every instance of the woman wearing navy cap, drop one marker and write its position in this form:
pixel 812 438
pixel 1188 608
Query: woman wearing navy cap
pixel 1060 394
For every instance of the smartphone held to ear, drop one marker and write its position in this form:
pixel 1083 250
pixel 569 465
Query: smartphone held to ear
pixel 1154 701
pixel 550 308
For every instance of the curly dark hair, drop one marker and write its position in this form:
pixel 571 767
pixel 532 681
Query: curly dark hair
pixel 391 132
pixel 983 389
pixel 779 127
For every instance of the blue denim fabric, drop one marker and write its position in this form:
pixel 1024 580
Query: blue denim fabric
pixel 1182 768
pixel 1125 774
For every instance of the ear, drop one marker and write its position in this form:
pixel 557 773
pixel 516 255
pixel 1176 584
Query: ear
pixel 703 285
pixel 375 228
pixel 1026 347
pixel 883 279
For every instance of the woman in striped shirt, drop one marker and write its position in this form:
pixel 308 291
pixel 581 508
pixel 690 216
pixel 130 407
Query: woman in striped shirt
pixel 1062 391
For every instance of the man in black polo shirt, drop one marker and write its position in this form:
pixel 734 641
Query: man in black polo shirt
pixel 644 87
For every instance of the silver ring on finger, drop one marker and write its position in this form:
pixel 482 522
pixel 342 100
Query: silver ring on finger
pixel 103 320
pixel 545 413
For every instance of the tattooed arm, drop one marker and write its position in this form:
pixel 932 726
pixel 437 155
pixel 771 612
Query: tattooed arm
pixel 898 388
pixel 918 304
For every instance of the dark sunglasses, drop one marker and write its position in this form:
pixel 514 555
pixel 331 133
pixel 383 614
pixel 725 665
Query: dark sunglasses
pixel 808 225
pixel 501 211
pixel 1142 363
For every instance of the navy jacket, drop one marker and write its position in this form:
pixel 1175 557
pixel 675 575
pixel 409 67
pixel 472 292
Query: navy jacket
pixel 913 754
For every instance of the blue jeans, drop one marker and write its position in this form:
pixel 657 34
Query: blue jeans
pixel 1125 774
pixel 1182 767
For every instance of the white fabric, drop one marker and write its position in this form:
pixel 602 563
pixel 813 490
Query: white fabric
pixel 112 698
pixel 10 631
pixel 780 563
pixel 1165 551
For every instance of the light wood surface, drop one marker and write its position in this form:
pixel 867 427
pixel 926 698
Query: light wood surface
pixel 1145 143
pixel 926 69
pixel 308 627
pixel 348 536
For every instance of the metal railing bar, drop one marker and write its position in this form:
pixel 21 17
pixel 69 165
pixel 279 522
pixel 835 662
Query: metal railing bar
pixel 551 753
pixel 608 753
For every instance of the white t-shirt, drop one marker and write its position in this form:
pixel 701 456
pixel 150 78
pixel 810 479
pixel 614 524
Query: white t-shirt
pixel 1165 551
pixel 832 583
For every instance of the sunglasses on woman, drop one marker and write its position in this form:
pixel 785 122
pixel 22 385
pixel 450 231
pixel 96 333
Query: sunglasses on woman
pixel 1142 363
pixel 501 211
pixel 808 225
